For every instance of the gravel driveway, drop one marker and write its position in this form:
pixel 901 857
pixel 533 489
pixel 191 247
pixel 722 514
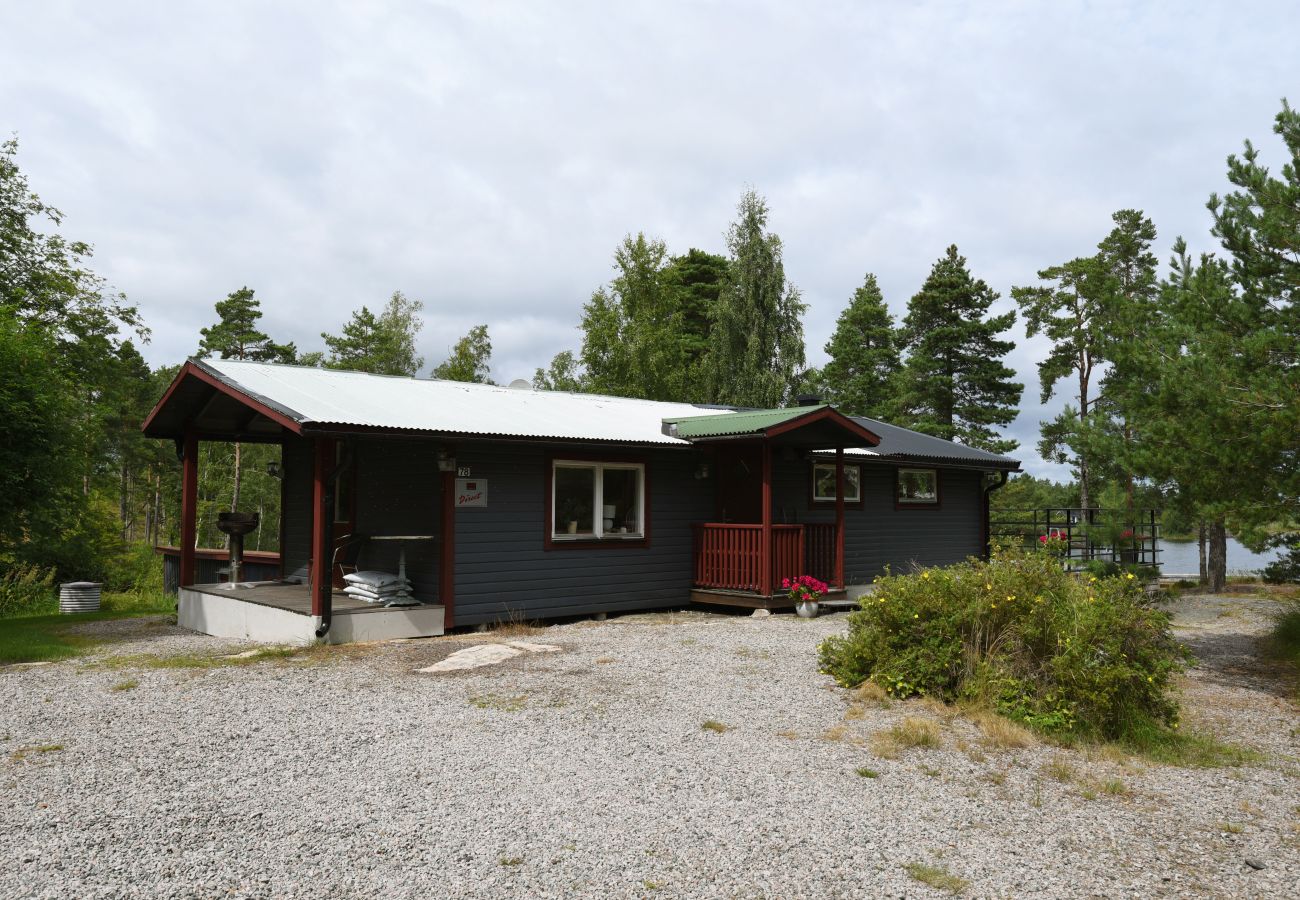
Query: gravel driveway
pixel 588 772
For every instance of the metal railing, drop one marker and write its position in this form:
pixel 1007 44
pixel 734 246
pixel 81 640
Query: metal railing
pixel 1121 536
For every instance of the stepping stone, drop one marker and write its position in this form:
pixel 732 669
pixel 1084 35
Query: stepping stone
pixel 480 655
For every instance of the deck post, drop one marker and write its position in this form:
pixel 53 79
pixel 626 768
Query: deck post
pixel 320 549
pixel 447 551
pixel 189 506
pixel 765 548
pixel 839 517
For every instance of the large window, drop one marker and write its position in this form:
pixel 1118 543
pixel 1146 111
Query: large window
pixel 918 487
pixel 823 490
pixel 597 501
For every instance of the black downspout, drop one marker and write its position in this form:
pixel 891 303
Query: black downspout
pixel 989 488
pixel 326 520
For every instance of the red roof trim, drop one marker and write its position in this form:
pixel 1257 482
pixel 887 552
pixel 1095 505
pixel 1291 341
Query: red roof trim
pixel 193 369
pixel 818 415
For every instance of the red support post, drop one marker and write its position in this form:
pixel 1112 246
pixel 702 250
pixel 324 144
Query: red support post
pixel 839 517
pixel 189 506
pixel 447 557
pixel 320 550
pixel 765 550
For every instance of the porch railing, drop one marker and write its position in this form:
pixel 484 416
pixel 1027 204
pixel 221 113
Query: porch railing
pixel 729 556
pixel 1087 535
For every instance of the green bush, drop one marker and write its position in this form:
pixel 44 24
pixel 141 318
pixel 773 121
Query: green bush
pixel 1286 568
pixel 1061 653
pixel 25 590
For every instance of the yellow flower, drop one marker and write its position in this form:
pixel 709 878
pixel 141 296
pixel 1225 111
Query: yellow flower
pixel 988 587
pixel 993 606
pixel 1092 579
pixel 1011 597
pixel 916 615
pixel 1150 678
pixel 1129 575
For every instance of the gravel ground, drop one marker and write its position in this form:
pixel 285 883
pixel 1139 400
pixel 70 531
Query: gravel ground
pixel 587 772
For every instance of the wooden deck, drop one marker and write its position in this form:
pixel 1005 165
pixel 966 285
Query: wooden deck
pixel 752 600
pixel 292 597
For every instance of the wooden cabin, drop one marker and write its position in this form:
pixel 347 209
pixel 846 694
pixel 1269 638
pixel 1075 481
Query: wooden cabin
pixel 504 503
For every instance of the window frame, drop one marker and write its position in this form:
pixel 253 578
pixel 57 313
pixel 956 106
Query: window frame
pixel 900 503
pixel 555 541
pixel 816 502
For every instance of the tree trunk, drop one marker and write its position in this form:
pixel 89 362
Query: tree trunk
pixel 234 495
pixel 1204 572
pixel 1084 499
pixel 1218 556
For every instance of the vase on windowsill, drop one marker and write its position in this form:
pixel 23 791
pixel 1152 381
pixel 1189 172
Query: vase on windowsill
pixel 573 527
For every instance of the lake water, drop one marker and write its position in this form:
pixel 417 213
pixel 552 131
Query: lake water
pixel 1180 558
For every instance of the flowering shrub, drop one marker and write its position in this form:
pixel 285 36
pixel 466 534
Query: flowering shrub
pixel 1061 653
pixel 804 589
pixel 1053 542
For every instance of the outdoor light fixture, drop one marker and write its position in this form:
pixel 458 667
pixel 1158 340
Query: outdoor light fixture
pixel 702 471
pixel 446 461
pixel 273 468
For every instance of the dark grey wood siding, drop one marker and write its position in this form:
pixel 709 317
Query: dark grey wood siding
pixel 399 492
pixel 879 535
pixel 503 570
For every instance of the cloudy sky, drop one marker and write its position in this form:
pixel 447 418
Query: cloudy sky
pixel 485 158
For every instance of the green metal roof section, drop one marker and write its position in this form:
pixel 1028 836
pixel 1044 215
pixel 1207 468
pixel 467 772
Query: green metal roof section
pixel 726 424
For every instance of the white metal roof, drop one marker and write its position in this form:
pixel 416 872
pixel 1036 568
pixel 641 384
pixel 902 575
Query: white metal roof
pixel 332 397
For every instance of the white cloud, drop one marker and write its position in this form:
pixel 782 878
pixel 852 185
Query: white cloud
pixel 487 157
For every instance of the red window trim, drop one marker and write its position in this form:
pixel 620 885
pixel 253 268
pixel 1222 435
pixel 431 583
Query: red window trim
pixel 595 543
pixel 938 488
pixel 814 503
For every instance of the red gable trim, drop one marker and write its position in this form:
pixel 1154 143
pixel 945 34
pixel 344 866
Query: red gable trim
pixel 868 437
pixel 191 369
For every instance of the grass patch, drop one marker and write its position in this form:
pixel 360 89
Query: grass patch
pixel 45 637
pixel 1115 788
pixel 864 772
pixel 714 726
pixel 1000 732
pixel 1188 749
pixel 512 861
pixel 1060 769
pixel 1284 641
pixel 499 702
pixel 1229 828
pixel 128 684
pixel 936 877
pixel 205 660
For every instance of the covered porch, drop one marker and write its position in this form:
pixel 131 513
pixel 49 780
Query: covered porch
pixel 741 558
pixel 325 507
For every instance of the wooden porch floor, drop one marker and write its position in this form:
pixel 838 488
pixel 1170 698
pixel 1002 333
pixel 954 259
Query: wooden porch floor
pixel 295 598
pixel 752 600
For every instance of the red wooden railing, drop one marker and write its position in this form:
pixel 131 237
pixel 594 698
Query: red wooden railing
pixel 729 557
pixel 819 553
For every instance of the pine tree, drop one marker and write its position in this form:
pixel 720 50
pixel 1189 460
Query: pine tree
pixel 383 344
pixel 756 353
pixel 236 334
pixel 696 279
pixel 470 359
pixel 1069 311
pixel 955 385
pixel 864 363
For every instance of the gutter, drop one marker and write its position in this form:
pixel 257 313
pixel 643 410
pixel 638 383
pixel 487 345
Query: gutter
pixel 989 488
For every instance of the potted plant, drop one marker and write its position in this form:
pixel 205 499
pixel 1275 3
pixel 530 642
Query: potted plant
pixel 805 591
pixel 572 511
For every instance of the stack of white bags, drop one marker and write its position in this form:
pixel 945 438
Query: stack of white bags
pixel 379 587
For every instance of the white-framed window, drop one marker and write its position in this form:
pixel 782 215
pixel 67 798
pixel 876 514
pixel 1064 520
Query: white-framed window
pixel 824 483
pixel 597 501
pixel 918 487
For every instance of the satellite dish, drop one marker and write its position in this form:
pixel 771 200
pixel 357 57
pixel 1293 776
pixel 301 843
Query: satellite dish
pixel 520 384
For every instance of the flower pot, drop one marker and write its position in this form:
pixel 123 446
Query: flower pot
pixel 573 528
pixel 807 609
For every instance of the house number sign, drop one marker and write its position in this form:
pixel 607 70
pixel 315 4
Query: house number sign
pixel 462 472
pixel 471 492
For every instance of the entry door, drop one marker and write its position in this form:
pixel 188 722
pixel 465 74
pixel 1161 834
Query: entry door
pixel 740 484
pixel 345 516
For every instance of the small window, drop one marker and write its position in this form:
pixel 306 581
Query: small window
pixel 824 483
pixel 918 487
pixel 597 501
